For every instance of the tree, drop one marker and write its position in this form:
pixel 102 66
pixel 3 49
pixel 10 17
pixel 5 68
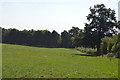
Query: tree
pixel 0 35
pixel 55 39
pixel 74 31
pixel 66 39
pixel 4 35
pixel 37 38
pixel 12 36
pixel 76 36
pixel 46 39
pixel 118 25
pixel 101 23
pixel 26 37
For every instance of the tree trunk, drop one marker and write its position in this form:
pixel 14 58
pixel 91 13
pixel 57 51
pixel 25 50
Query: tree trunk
pixel 98 49
pixel 99 41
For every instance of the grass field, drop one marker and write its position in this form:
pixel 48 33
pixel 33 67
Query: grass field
pixel 33 62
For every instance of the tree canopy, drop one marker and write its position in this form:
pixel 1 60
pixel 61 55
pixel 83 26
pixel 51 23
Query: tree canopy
pixel 101 23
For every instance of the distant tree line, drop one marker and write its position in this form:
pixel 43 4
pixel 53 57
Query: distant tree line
pixel 102 23
pixel 40 38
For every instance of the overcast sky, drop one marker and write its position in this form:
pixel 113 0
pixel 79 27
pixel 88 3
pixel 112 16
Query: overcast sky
pixel 56 15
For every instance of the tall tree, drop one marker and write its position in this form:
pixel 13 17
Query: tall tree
pixel 101 23
pixel 74 31
pixel 118 25
pixel 46 38
pixel 26 37
pixel 37 38
pixel 66 39
pixel 12 36
pixel 55 39
pixel 76 35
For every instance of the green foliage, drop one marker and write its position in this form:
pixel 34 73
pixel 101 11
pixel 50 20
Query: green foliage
pixel 33 62
pixel 39 38
pixel 87 50
pixel 74 31
pixel 76 35
pixel 111 45
pixel 56 40
pixel 118 24
pixel 103 49
pixel 102 21
pixel 66 39
pixel 77 40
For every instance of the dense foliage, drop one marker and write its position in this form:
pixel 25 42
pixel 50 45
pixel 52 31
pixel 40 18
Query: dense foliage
pixel 40 38
pixel 102 22
pixel 111 46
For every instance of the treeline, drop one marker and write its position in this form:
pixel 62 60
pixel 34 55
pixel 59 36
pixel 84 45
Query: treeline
pixel 40 38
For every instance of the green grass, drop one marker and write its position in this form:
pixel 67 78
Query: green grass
pixel 33 62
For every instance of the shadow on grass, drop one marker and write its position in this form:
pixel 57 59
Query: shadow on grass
pixel 84 55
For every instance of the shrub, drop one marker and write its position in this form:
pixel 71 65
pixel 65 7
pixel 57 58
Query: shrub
pixel 111 46
pixel 87 50
pixel 103 48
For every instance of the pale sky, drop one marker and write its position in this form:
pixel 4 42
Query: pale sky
pixel 56 15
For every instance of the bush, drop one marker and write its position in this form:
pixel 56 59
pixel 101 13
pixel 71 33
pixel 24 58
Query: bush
pixel 111 46
pixel 87 50
pixel 103 48
pixel 116 49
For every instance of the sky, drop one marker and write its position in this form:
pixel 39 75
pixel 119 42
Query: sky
pixel 52 15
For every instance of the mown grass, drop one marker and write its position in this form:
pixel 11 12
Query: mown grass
pixel 33 62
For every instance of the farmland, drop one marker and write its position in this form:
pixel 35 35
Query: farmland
pixel 34 62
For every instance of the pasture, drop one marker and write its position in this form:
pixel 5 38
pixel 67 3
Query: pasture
pixel 34 62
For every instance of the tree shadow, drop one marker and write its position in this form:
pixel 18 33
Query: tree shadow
pixel 84 55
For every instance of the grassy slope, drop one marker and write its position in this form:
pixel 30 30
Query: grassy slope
pixel 33 62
